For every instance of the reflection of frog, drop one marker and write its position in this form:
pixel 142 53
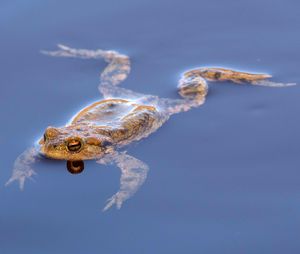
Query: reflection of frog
pixel 123 116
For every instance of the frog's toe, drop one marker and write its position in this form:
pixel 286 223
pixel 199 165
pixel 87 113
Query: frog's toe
pixel 21 176
pixel 110 202
pixel 116 200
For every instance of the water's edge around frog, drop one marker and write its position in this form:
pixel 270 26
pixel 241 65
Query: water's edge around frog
pixel 101 129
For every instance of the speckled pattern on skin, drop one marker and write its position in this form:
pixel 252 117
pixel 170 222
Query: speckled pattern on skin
pixel 99 130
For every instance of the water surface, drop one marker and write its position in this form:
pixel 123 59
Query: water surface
pixel 224 177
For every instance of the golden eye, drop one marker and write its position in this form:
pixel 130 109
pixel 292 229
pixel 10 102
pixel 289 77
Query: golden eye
pixel 45 138
pixel 74 145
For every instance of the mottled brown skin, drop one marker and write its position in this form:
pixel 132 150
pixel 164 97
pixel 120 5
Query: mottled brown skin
pixel 99 128
pixel 222 74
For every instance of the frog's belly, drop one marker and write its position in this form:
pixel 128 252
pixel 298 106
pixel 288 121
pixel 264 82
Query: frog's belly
pixel 105 112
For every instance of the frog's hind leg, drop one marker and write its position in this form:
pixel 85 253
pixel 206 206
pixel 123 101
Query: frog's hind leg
pixel 116 71
pixel 193 86
pixel 238 77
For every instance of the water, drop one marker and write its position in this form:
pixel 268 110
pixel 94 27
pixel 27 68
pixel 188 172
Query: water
pixel 224 177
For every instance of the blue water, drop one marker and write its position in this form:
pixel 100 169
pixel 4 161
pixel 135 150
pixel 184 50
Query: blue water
pixel 224 177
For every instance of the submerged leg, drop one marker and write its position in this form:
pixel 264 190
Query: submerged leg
pixel 133 174
pixel 116 71
pixel 222 74
pixel 23 167
pixel 193 87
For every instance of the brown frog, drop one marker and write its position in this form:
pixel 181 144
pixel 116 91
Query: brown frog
pixel 99 130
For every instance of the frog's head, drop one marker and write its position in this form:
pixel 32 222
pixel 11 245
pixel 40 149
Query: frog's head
pixel 73 143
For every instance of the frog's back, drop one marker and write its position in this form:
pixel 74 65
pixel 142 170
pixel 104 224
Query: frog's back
pixel 104 112
pixel 114 113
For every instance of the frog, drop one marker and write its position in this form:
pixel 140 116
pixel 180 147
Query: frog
pixel 102 129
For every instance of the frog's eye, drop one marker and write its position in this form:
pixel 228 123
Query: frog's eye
pixel 74 145
pixel 45 137
pixel 52 132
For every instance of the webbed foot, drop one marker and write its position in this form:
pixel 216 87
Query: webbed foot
pixel 22 169
pixel 116 200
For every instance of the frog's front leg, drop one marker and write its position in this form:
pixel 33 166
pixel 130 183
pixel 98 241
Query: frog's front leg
pixel 133 174
pixel 23 167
